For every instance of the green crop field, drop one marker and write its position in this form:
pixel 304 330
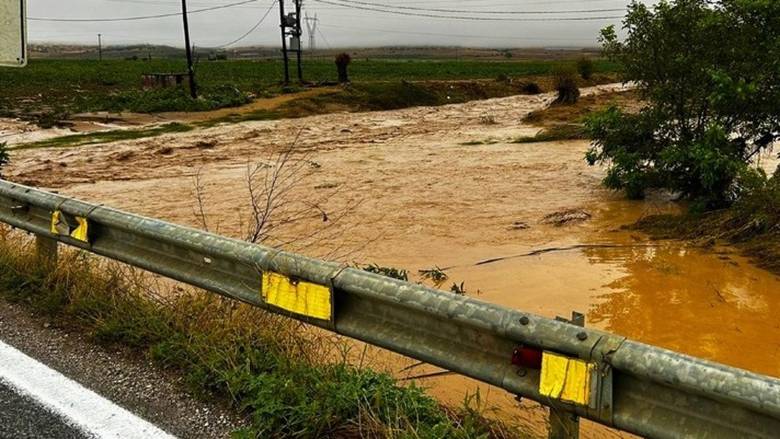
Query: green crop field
pixel 89 85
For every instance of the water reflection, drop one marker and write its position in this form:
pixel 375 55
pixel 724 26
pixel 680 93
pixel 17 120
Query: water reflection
pixel 712 304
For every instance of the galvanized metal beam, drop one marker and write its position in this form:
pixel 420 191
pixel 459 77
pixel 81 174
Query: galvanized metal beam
pixel 653 392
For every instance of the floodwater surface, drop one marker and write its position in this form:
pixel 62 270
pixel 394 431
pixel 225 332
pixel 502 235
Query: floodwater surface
pixel 410 189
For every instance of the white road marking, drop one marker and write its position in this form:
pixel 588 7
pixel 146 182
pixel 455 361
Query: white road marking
pixel 79 406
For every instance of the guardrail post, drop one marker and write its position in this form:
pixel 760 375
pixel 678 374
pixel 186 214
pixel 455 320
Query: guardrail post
pixel 564 425
pixel 46 250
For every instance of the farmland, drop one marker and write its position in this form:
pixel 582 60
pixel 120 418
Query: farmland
pixel 73 86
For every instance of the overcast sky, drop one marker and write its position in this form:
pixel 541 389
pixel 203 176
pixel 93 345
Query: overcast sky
pixel 339 26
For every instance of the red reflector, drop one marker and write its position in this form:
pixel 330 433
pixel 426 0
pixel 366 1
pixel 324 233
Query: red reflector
pixel 529 358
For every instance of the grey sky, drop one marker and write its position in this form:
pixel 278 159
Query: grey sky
pixel 339 26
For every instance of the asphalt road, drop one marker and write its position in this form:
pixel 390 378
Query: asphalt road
pixel 22 418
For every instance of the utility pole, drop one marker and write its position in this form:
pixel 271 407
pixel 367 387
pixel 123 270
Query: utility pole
pixel 291 26
pixel 100 47
pixel 283 25
pixel 190 69
pixel 311 26
pixel 297 38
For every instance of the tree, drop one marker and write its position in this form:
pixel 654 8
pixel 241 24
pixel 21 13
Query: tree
pixel 342 62
pixel 710 75
pixel 566 85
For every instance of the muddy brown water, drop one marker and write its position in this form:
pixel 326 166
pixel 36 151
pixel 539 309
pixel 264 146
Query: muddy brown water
pixel 418 196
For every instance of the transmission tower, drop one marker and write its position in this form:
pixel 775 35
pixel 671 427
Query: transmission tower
pixel 311 26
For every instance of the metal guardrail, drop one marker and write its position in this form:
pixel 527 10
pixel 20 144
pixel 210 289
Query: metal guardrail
pixel 627 385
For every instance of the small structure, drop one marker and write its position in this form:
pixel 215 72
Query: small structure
pixel 163 80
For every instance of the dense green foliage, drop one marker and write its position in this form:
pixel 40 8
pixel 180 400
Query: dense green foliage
pixel 269 368
pixel 710 73
pixel 84 85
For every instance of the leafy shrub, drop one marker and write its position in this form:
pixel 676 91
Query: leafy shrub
pixel 585 68
pixel 49 118
pixel 712 99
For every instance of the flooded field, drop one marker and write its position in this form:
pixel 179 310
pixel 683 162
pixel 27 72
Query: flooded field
pixel 408 189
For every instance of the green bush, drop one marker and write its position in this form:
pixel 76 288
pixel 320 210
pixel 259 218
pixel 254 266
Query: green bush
pixel 585 68
pixel 709 73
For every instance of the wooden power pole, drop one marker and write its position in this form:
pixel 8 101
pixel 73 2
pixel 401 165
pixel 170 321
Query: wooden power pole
pixel 190 68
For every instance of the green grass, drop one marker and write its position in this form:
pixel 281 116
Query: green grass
pixel 106 136
pixel 88 85
pixel 270 369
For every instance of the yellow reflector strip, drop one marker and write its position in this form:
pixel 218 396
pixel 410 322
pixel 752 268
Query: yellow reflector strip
pixel 302 298
pixel 81 231
pixel 565 379
pixel 60 227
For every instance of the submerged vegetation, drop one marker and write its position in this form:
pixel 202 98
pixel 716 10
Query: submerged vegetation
pixel 752 223
pixel 107 136
pixel 272 370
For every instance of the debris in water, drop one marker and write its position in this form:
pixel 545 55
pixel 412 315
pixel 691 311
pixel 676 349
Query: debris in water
pixel 206 144
pixel 519 225
pixel 565 217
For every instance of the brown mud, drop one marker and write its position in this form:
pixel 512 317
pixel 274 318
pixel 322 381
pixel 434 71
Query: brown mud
pixel 419 197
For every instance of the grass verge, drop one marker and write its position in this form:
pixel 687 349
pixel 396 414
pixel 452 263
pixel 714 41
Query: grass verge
pixel 270 369
pixel 106 136
pixel 752 224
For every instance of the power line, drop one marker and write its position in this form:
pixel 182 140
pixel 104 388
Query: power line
pixel 451 35
pixel 143 17
pixel 262 19
pixel 464 18
pixel 471 11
